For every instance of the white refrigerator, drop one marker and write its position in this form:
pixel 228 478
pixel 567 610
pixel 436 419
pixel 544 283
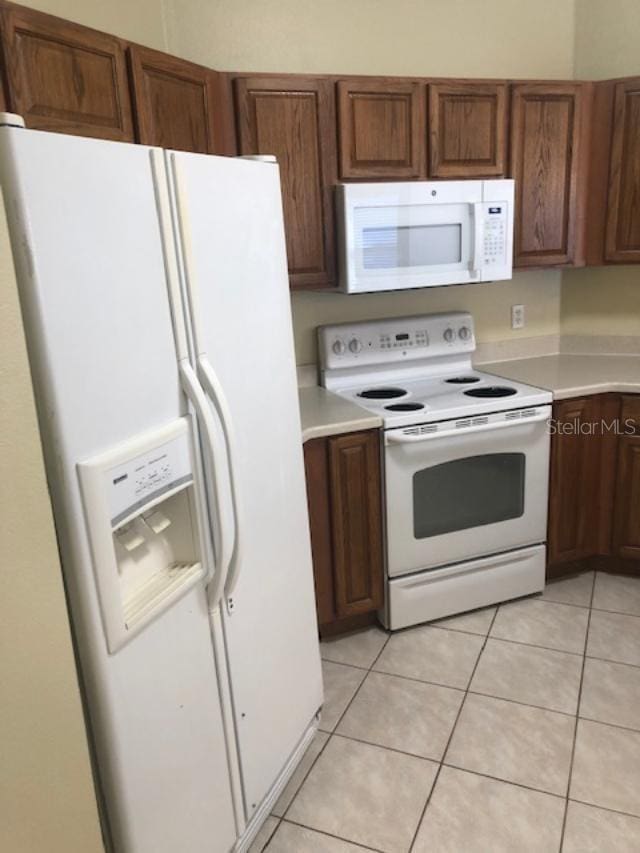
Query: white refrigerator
pixel 154 293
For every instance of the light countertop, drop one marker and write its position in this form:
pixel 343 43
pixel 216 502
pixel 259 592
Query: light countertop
pixel 568 375
pixel 324 413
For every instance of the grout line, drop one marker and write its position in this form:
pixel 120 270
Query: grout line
pixel 451 733
pixel 616 612
pixel 616 662
pixel 270 838
pixel 577 717
pixel 388 748
pixel 536 645
pixel 331 835
pixel 605 808
pixel 504 781
pixel 610 725
pixel 304 778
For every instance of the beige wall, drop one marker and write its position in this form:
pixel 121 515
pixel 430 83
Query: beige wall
pixel 489 303
pixel 499 38
pixel 142 21
pixel 47 801
pixel 495 38
pixel 604 300
pixel 607 39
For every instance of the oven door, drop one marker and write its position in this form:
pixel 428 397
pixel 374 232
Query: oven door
pixel 464 489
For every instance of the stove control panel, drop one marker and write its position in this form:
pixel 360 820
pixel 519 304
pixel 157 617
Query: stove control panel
pixel 350 345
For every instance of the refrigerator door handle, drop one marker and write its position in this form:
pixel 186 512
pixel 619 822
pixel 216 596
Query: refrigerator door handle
pixel 215 452
pixel 216 394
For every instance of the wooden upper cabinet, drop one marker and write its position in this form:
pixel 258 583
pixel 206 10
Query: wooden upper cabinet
pixel 294 118
pixel 174 101
pixel 65 77
pixel 467 130
pixel 622 239
pixel 381 126
pixel 546 147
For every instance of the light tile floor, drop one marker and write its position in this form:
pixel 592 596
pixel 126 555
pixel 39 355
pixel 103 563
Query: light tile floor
pixel 489 732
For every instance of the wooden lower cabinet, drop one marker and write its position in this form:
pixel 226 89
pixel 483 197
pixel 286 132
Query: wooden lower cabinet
pixel 594 489
pixel 344 491
pixel 626 535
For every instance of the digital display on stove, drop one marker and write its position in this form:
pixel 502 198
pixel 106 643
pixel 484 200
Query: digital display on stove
pixel 403 337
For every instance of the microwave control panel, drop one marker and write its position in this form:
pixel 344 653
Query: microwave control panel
pixel 495 234
pixel 356 345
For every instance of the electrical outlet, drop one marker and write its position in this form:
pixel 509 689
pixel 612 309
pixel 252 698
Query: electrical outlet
pixel 517 316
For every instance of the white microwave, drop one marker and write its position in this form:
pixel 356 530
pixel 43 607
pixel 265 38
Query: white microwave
pixel 394 236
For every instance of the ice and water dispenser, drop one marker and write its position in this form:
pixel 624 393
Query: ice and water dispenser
pixel 141 511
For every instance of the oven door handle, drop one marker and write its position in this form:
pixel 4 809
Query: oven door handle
pixel 398 437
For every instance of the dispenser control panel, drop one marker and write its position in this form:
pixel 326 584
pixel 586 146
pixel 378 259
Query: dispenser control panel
pixel 146 477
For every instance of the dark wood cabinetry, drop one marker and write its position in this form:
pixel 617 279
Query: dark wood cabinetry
pixel 294 118
pixel 546 151
pixel 467 129
pixel 626 533
pixel 174 101
pixel 594 497
pixel 577 449
pixel 345 514
pixel 64 77
pixel 381 128
pixel 622 236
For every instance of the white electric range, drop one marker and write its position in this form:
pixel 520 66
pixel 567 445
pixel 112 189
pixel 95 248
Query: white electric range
pixel 466 463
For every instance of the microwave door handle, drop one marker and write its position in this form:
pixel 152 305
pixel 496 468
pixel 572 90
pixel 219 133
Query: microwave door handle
pixel 478 234
pixel 402 438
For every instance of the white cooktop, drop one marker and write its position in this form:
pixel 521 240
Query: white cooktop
pixel 416 370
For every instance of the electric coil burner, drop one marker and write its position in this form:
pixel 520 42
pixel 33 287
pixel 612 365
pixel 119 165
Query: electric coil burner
pixel 405 407
pixel 466 463
pixel 491 391
pixel 382 393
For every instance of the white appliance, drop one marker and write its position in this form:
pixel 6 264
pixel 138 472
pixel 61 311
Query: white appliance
pixel 155 298
pixel 398 235
pixel 466 461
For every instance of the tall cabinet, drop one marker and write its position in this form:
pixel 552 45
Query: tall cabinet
pixel 547 162
pixel 294 118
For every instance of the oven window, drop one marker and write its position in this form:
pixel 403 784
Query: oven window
pixel 468 493
pixel 402 246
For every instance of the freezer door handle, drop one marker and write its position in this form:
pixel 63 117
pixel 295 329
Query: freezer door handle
pixel 215 453
pixel 216 394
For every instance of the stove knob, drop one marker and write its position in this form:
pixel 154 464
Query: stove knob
pixel 338 347
pixel 355 345
pixel 464 333
pixel 449 335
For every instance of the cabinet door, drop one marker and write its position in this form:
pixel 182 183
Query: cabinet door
pixel 319 503
pixel 174 101
pixel 626 539
pixel 467 130
pixel 354 465
pixel 381 128
pixel 574 479
pixel 65 77
pixel 622 240
pixel 546 130
pixel 294 118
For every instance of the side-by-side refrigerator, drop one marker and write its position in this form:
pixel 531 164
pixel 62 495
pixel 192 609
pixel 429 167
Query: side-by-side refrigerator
pixel 154 293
